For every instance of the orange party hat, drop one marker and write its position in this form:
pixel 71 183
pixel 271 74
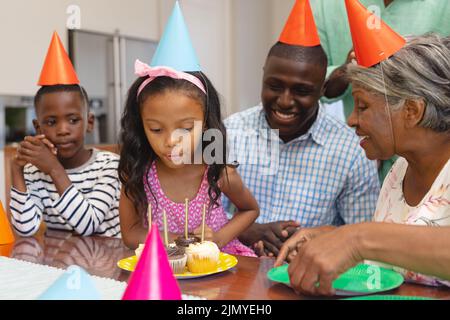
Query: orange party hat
pixel 6 250
pixel 6 234
pixel 373 40
pixel 58 68
pixel 300 29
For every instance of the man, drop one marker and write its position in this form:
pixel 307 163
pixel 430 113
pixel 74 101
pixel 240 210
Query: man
pixel 407 17
pixel 319 175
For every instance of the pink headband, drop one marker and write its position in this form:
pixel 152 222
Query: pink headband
pixel 141 69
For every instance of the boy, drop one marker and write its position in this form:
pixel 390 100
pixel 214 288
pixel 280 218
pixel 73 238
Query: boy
pixel 55 178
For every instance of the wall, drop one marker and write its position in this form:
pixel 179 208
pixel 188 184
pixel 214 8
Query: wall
pixel 279 13
pixel 26 28
pixel 252 27
pixel 231 37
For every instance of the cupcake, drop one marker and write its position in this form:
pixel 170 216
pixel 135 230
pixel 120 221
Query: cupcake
pixel 202 257
pixel 183 242
pixel 177 258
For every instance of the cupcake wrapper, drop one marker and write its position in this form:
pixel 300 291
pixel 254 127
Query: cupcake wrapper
pixel 197 264
pixel 178 265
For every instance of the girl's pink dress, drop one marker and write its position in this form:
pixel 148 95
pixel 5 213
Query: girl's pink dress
pixel 216 217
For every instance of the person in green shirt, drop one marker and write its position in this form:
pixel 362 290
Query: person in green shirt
pixel 406 17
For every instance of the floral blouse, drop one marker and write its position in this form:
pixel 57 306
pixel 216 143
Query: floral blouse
pixel 433 210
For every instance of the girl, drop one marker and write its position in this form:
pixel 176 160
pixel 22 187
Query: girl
pixel 163 101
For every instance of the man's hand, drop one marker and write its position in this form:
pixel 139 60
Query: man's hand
pixel 272 235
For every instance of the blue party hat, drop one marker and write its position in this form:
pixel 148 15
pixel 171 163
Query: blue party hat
pixel 74 284
pixel 175 48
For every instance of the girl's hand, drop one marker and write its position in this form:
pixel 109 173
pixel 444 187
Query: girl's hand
pixel 37 151
pixel 321 260
pixel 210 235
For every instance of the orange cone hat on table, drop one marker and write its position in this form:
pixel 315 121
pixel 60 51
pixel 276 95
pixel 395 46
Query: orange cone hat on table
pixel 300 29
pixel 58 68
pixel 6 250
pixel 373 40
pixel 153 278
pixel 6 233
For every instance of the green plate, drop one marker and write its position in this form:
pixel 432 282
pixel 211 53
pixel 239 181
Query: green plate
pixel 390 298
pixel 362 279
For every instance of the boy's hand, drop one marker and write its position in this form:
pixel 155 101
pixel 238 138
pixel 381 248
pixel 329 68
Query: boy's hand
pixel 20 160
pixel 47 142
pixel 37 151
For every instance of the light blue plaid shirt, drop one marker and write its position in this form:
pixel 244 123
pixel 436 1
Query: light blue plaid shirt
pixel 320 178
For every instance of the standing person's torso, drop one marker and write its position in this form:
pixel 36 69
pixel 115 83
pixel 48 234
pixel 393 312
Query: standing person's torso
pixel 406 17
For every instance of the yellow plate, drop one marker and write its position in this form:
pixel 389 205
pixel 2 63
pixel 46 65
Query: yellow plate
pixel 226 262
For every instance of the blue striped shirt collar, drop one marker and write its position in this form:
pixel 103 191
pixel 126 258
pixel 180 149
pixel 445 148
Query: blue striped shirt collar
pixel 316 133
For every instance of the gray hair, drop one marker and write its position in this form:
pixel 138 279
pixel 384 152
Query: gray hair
pixel 419 71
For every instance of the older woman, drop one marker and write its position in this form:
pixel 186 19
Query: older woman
pixel 402 106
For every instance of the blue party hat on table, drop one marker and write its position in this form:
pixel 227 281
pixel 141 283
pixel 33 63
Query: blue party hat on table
pixel 74 284
pixel 175 48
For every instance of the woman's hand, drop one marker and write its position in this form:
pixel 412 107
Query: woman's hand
pixel 321 260
pixel 289 249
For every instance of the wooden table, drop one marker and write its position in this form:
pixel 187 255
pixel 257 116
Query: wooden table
pixel 99 257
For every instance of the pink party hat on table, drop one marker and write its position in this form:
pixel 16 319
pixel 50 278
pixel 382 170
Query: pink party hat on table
pixel 152 278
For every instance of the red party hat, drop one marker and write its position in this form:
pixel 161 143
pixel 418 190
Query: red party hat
pixel 300 29
pixel 58 68
pixel 373 40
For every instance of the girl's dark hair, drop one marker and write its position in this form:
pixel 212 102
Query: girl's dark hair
pixel 62 88
pixel 136 153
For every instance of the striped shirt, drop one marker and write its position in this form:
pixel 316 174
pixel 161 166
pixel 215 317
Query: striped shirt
pixel 320 178
pixel 90 206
